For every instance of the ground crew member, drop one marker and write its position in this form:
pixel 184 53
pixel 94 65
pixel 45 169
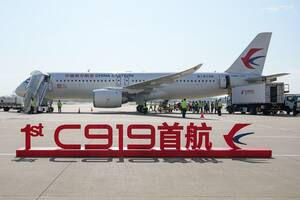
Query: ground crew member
pixel 151 107
pixel 145 108
pixel 59 105
pixel 201 106
pixel 32 105
pixel 193 106
pixel 197 107
pixel 183 107
pixel 212 106
pixel 220 108
pixel 206 107
pixel 216 106
pixel 154 107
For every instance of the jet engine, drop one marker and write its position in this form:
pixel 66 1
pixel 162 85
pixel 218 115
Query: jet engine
pixel 107 98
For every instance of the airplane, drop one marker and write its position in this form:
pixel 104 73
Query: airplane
pixel 110 90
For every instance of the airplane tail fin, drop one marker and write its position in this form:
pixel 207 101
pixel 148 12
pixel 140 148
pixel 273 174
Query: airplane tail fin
pixel 253 58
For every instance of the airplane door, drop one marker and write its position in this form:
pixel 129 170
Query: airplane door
pixel 50 83
pixel 223 82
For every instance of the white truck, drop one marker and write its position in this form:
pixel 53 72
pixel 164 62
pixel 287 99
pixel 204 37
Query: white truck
pixel 262 97
pixel 11 102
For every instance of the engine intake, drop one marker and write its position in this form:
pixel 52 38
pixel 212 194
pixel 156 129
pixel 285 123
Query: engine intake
pixel 107 98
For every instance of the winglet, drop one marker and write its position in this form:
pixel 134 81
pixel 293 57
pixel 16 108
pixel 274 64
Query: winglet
pixel 198 67
pixel 191 70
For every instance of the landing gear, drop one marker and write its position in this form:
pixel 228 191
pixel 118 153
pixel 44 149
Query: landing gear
pixel 139 108
pixel 253 110
pixel 51 109
pixel 142 109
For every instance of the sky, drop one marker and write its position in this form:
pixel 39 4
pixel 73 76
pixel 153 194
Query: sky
pixel 143 36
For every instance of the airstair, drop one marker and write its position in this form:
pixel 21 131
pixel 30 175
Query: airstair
pixel 36 90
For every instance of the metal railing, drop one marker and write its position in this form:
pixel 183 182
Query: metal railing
pixel 36 89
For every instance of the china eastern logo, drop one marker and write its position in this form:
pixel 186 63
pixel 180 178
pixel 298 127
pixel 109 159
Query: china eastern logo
pixel 248 60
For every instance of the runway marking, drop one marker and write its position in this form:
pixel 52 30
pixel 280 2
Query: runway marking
pixel 53 181
pixel 288 137
pixel 7 154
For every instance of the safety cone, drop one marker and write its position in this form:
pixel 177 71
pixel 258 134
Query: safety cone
pixel 202 116
pixel 78 110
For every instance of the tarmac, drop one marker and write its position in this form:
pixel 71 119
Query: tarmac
pixel 150 178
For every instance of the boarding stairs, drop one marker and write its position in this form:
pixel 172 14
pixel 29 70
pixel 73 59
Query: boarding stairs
pixel 36 89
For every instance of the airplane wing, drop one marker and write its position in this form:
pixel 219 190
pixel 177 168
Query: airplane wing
pixel 272 77
pixel 156 82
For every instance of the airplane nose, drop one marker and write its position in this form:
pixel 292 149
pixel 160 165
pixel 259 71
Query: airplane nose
pixel 20 90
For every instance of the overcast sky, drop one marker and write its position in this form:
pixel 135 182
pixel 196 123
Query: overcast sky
pixel 142 36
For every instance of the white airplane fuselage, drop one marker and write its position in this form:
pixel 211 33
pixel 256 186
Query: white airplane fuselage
pixel 81 85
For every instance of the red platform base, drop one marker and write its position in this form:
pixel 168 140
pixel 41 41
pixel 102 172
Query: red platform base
pixel 155 152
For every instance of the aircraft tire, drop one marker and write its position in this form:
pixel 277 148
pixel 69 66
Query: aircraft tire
pixel 139 108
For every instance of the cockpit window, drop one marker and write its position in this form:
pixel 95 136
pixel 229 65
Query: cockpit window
pixel 27 80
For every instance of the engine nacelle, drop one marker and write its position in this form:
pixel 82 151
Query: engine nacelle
pixel 107 98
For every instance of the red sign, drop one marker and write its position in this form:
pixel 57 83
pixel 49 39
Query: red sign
pixel 197 142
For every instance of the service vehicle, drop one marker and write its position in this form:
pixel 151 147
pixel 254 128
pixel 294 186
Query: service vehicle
pixel 263 98
pixel 11 102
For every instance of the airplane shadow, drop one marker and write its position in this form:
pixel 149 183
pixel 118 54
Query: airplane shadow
pixel 252 160
pixel 163 115
pixel 262 115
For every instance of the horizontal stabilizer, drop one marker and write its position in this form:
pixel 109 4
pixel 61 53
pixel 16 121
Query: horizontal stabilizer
pixel 270 78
